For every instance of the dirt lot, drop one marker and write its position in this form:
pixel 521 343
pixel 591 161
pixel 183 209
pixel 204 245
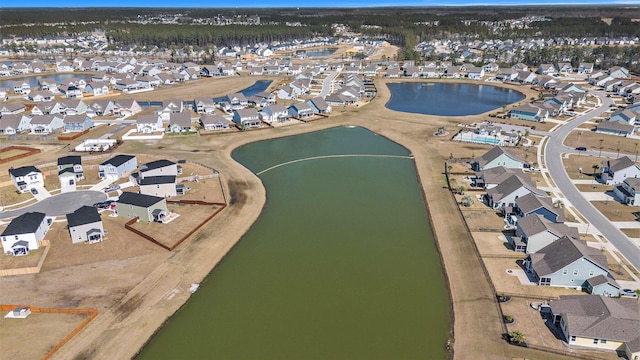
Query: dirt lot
pixel 51 329
pixel 574 162
pixel 616 211
pixel 12 152
pixel 632 233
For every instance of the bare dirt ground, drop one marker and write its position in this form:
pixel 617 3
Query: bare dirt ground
pixel 135 294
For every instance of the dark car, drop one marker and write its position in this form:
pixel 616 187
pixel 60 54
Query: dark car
pixel 581 148
pixel 34 191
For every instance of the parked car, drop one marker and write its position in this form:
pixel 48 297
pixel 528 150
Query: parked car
pixel 581 148
pixel 628 293
pixel 34 191
pixel 111 188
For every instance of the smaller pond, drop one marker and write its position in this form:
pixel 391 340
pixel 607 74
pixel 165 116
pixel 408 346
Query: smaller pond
pixel 33 80
pixel 449 99
pixel 324 52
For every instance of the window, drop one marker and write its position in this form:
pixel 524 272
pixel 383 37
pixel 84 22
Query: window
pixel 575 272
pixel 545 281
pixel 591 273
pixel 603 341
pixel 565 272
pixel 595 341
pixel 573 338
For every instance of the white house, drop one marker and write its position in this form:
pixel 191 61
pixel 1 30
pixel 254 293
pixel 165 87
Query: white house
pixel 274 113
pixel 147 124
pixel 14 124
pixel 85 225
pixel 616 171
pixel 495 157
pixel 213 122
pixel 506 193
pixel 628 192
pixel 117 166
pixel 26 178
pixel 25 233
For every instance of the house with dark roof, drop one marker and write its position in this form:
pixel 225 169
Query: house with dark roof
pixel 507 192
pixel 146 207
pixel 117 166
pixel 541 205
pixel 26 178
pixel 73 162
pixel 615 171
pixel 567 262
pixel 85 225
pixel 599 322
pixel 628 191
pixel 497 156
pixel 536 232
pixel 162 186
pixel 24 233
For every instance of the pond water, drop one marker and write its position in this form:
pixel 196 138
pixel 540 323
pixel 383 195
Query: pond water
pixel 33 80
pixel 341 263
pixel 449 99
pixel 325 52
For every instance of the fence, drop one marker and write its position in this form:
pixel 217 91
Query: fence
pixel 128 226
pixel 91 312
pixel 29 152
pixel 32 269
pixel 72 137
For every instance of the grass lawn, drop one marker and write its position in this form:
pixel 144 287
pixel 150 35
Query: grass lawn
pixel 595 187
pixel 632 233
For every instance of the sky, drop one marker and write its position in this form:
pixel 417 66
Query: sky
pixel 299 3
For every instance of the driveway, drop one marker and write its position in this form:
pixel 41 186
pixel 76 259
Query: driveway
pixel 61 204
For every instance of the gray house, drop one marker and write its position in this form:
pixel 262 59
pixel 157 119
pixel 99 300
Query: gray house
pixel 567 263
pixel 497 157
pixel 117 166
pixel 146 207
pixel 77 123
pixel 73 162
pixel 536 232
pixel 85 225
pixel 541 205
pixel 162 186
pixel 507 192
pixel 160 167
pixel 492 177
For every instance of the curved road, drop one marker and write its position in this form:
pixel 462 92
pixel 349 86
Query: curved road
pixel 553 159
pixel 61 204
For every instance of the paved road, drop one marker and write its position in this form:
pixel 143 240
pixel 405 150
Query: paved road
pixel 326 84
pixel 60 204
pixel 553 159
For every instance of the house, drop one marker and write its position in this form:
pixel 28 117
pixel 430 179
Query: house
pixel 26 178
pixel 45 124
pixel 628 191
pixel 492 177
pixel 100 108
pixel 615 127
pixel 162 186
pixel 204 105
pixel 12 108
pixel 73 106
pixel 70 91
pixel 73 162
pixel 150 123
pixel 301 110
pixel 213 122
pixel 77 123
pixel 117 167
pixel 497 156
pixel 567 262
pixel 126 107
pixel 507 192
pixel 618 72
pixel 547 69
pixel 48 107
pixel 564 68
pixel 96 88
pixel 615 171
pixel 146 207
pixel 235 101
pixel 85 225
pixel 286 93
pixel 599 322
pixel 21 87
pixel 24 233
pixel 528 112
pixel 169 107
pixel 319 105
pixel 180 122
pixel 274 113
pixel 540 205
pixel 536 232
pixel 247 118
pixel 161 167
pixel 475 73
pixel 40 96
pixel 585 68
pixel 14 124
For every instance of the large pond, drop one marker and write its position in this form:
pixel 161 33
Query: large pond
pixel 449 99
pixel 341 264
pixel 33 80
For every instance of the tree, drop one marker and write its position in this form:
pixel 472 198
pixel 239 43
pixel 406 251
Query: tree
pixel 452 182
pixel 595 168
pixel 558 204
pixel 467 200
pixel 461 189
pixel 516 336
pixel 601 140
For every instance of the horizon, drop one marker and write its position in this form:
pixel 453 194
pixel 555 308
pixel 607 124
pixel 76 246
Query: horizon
pixel 289 4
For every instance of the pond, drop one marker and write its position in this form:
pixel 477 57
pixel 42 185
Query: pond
pixel 33 80
pixel 449 99
pixel 324 52
pixel 341 263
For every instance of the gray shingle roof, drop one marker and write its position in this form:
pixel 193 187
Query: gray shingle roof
pixel 530 202
pixel 22 171
pixel 563 252
pixel 118 160
pixel 83 215
pixel 510 185
pixel 70 160
pixel 619 164
pixel 535 224
pixel 492 154
pixel 24 224
pixel 154 180
pixel 140 200
pixel 157 164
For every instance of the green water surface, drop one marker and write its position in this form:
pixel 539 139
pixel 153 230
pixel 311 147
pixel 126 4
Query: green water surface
pixel 341 264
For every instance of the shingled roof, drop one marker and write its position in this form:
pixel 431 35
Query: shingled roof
pixel 563 252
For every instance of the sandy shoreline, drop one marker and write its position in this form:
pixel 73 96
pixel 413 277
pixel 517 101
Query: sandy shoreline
pixel 120 331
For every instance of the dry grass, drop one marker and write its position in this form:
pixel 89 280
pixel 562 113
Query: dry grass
pixel 483 220
pixel 616 269
pixel 632 233
pixel 610 143
pixel 595 187
pixel 9 195
pixel 615 211
pixel 495 244
pixel 12 152
pixel 586 162
pixel 50 329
